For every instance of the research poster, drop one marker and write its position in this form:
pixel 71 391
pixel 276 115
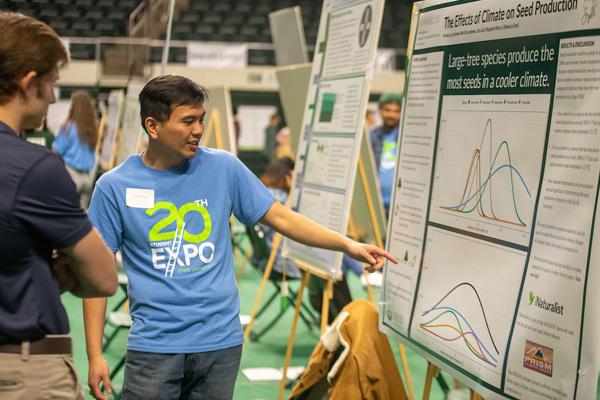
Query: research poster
pixel 130 134
pixel 111 127
pixel 333 121
pixel 495 205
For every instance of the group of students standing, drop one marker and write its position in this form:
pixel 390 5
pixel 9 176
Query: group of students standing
pixel 165 210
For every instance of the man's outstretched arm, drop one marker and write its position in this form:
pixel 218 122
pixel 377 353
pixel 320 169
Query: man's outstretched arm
pixel 306 231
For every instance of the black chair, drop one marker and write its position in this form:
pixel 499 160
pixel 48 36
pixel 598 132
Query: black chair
pixel 260 256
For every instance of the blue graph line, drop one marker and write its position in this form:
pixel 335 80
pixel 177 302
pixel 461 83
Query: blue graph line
pixel 484 184
pixel 469 325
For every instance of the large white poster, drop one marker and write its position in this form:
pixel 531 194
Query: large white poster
pixel 333 121
pixel 130 135
pixel 111 127
pixel 496 197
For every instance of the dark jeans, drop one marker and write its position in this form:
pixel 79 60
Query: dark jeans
pixel 210 375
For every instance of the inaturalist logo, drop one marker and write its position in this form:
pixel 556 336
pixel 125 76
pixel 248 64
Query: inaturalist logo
pixel 539 302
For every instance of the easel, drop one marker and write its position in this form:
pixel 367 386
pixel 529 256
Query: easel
pixel 362 173
pixel 214 129
pixel 307 271
pixel 313 271
pixel 433 372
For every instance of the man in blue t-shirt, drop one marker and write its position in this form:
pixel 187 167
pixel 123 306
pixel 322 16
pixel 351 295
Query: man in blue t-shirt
pixel 167 211
pixel 384 140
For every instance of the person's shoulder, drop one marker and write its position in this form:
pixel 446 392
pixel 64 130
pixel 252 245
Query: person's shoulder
pixel 26 155
pixel 209 152
pixel 215 157
pixel 377 130
pixel 124 170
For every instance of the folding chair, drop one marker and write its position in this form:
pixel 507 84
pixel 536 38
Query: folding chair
pixel 259 259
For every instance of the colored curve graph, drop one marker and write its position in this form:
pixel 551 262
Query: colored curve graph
pixel 450 325
pixel 479 183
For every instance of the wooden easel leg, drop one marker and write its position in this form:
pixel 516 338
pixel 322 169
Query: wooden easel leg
pixel 290 346
pixel 432 373
pixel 327 295
pixel 475 395
pixel 263 285
pixel 407 378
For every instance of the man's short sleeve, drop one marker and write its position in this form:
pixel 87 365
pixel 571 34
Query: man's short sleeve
pixel 251 198
pixel 47 202
pixel 105 216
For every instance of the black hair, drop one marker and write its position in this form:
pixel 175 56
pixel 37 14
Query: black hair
pixel 162 94
pixel 277 170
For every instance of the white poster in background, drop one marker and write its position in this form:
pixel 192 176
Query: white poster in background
pixel 333 121
pixel 57 115
pixel 111 126
pixel 496 198
pixel 385 61
pixel 205 55
pixel 253 121
pixel 130 135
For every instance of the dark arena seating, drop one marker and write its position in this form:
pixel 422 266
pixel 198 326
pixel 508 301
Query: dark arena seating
pixel 243 21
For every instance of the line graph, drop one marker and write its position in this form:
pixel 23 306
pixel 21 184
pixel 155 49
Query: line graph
pixel 471 198
pixel 488 164
pixel 466 301
pixel 453 329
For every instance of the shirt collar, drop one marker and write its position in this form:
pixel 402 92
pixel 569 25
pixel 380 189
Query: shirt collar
pixel 7 129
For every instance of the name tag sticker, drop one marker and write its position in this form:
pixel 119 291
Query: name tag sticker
pixel 139 198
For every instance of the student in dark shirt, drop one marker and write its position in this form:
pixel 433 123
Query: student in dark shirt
pixel 47 244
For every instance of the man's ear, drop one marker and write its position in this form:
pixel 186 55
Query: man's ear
pixel 152 127
pixel 28 85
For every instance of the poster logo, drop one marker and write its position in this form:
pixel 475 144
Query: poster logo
pixel 538 358
pixel 590 11
pixel 552 306
pixel 365 26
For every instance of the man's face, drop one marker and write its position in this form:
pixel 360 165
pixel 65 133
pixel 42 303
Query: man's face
pixel 390 113
pixel 39 95
pixel 181 133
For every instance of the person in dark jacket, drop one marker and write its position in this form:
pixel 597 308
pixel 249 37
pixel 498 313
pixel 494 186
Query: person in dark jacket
pixel 47 244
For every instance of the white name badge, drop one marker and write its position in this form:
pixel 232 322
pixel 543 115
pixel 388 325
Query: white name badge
pixel 139 198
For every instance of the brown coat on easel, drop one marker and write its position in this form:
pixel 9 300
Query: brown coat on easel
pixel 365 369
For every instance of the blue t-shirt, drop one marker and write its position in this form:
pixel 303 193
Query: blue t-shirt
pixel 75 153
pixel 387 165
pixel 172 228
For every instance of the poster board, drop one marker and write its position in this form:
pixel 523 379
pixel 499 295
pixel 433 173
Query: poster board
pixel 368 225
pixel 293 87
pixel 130 134
pixel 223 137
pixel 333 122
pixel 287 31
pixel 57 115
pixel 253 122
pixel 106 158
pixel 495 206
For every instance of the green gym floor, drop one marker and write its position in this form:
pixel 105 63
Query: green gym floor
pixel 268 352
